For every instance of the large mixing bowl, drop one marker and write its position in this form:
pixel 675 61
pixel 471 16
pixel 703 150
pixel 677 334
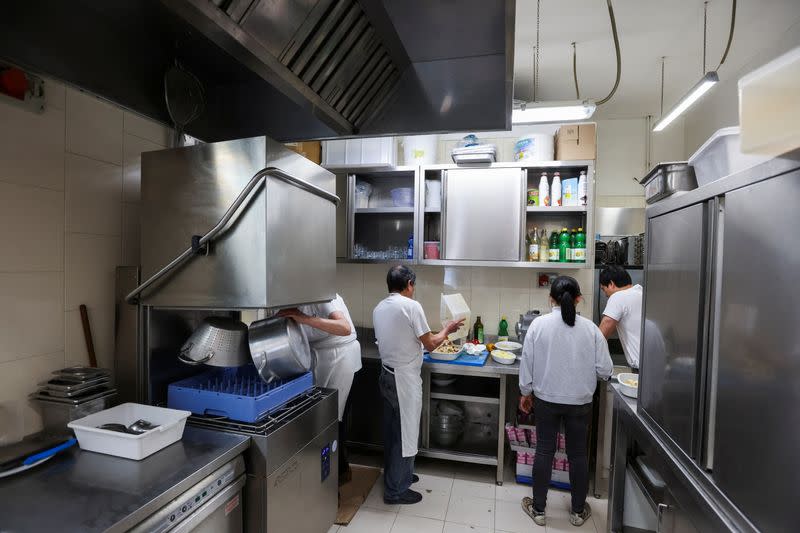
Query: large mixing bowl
pixel 279 348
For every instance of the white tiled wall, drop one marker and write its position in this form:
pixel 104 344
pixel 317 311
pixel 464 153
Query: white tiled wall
pixel 490 292
pixel 69 215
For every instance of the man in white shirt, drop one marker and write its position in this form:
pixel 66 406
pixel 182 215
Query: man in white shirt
pixel 402 331
pixel 337 357
pixel 623 311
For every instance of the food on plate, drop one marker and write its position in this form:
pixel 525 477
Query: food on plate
pixel 447 347
pixel 490 347
pixel 502 354
pixel 631 382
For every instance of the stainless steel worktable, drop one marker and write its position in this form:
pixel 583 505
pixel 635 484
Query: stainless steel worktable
pixel 490 367
pixel 86 491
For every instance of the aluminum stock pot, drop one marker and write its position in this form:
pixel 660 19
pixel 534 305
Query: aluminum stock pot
pixel 279 348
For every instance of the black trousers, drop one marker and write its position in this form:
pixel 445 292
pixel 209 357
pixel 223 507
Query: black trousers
pixel 576 428
pixel 397 470
pixel 344 463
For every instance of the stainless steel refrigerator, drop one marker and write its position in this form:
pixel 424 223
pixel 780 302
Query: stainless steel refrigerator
pixel 720 369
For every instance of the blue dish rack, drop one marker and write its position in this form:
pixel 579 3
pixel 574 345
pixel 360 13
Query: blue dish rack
pixel 236 393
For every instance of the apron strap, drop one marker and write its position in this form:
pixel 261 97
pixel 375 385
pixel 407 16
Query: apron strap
pixel 388 369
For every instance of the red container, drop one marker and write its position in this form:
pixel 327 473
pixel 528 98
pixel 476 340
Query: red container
pixel 431 249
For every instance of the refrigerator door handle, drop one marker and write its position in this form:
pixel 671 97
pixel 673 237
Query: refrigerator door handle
pixel 661 511
pixel 713 344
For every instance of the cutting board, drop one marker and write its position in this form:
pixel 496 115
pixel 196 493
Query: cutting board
pixel 463 359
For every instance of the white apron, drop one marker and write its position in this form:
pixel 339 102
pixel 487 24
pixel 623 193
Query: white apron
pixel 408 382
pixel 334 367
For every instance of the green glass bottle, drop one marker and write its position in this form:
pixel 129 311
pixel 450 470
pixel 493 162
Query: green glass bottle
pixel 477 331
pixel 563 245
pixel 571 252
pixel 579 253
pixel 553 250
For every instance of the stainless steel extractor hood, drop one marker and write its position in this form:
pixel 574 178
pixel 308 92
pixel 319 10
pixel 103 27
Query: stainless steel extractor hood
pixel 288 69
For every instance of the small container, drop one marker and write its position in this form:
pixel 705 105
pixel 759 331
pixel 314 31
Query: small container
pixel 430 249
pixel 533 197
pixel 403 197
pixel 433 194
pixel 569 192
pixel 170 422
pixel 721 155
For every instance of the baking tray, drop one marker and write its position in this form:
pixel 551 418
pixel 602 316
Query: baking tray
pixel 85 391
pixel 80 374
pixel 57 384
pixel 43 396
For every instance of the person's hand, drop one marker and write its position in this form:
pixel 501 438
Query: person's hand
pixel 526 403
pixel 293 313
pixel 452 327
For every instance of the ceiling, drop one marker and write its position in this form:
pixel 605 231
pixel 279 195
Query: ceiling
pixel 648 30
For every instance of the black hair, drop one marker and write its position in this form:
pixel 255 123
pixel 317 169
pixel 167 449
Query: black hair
pixel 399 277
pixel 565 291
pixel 615 273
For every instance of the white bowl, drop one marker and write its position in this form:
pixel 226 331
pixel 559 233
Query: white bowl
pixel 504 360
pixel 628 390
pixel 445 356
pixel 509 346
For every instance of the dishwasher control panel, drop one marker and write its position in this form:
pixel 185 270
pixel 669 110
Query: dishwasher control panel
pixel 325 461
pixel 181 507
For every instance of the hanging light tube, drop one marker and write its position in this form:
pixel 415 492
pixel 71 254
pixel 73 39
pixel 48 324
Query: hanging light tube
pixel 544 112
pixel 700 88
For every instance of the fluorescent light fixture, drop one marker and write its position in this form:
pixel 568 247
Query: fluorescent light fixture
pixel 702 87
pixel 543 112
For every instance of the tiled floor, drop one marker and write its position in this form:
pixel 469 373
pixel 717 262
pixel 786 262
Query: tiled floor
pixel 461 498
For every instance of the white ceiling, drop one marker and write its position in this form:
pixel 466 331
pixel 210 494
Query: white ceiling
pixel 648 30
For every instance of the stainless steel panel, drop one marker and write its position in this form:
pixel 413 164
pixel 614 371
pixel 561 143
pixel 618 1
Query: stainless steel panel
pixel 618 221
pixel 297 498
pixel 127 373
pixel 673 322
pixel 483 214
pixel 274 253
pixel 758 402
pixel 261 22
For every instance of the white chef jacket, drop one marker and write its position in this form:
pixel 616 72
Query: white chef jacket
pixel 399 322
pixel 625 307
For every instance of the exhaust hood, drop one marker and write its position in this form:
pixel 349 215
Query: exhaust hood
pixel 289 69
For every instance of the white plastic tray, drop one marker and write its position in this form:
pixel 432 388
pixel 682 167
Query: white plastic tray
pixel 171 423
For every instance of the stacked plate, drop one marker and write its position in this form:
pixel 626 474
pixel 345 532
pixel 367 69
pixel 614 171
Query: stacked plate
pixel 76 385
pixel 73 393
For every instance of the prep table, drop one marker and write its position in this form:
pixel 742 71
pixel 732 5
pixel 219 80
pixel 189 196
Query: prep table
pixel 86 491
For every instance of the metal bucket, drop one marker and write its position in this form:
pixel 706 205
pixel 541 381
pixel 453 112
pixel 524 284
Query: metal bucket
pixel 218 341
pixel 279 348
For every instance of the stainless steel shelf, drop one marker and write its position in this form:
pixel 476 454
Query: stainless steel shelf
pixel 383 210
pixel 463 398
pixel 556 209
pixel 463 457
pixel 433 209
pixel 515 264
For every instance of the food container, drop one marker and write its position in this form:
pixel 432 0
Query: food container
pixel 420 149
pixel 534 147
pixel 431 249
pixel 503 357
pixel 170 422
pixel 403 197
pixel 433 194
pixel 454 307
pixel 721 156
pixel 57 415
pixel 569 192
pixel 627 389
pixel 533 197
pixel 665 179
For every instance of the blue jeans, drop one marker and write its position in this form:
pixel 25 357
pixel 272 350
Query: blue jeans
pixel 397 470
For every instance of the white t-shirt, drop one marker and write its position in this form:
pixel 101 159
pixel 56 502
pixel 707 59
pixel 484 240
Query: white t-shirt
pixel 399 322
pixel 320 339
pixel 625 307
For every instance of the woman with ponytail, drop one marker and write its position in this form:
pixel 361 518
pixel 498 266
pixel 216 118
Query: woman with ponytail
pixel 563 357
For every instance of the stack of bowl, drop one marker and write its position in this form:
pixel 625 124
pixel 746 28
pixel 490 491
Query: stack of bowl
pixel 447 424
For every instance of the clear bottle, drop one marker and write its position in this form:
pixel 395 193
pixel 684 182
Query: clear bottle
pixel 544 191
pixel 563 245
pixel 532 239
pixel 555 190
pixel 553 253
pixel 582 194
pixel 544 247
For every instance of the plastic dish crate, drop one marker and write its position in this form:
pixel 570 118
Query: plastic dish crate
pixel 721 155
pixel 170 423
pixel 236 393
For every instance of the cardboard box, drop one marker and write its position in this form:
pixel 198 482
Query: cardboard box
pixel 576 142
pixel 311 150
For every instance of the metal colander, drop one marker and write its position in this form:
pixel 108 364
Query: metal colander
pixel 218 341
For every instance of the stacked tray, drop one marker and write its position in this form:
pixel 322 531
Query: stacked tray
pixel 76 385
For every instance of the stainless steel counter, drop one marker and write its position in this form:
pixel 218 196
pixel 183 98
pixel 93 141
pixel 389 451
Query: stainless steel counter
pixel 86 491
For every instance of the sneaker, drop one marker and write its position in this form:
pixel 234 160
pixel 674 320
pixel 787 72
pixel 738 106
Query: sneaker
pixel 538 516
pixel 407 498
pixel 577 519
